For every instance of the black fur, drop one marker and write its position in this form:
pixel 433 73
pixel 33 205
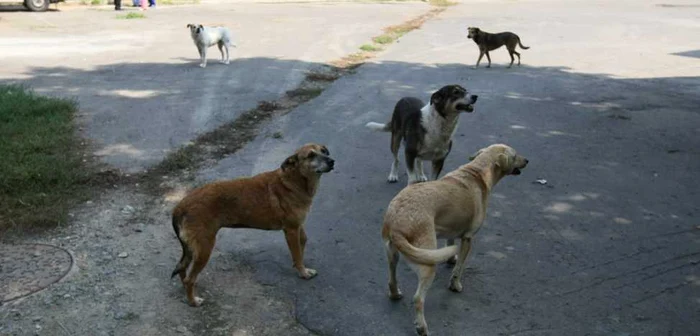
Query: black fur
pixel 406 123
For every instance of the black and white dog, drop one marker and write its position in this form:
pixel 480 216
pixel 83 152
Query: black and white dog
pixel 426 130
pixel 205 37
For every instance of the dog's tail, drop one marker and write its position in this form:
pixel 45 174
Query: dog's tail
pixel 378 127
pixel 521 44
pixel 178 217
pixel 423 256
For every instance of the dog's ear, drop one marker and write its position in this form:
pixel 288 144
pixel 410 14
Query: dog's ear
pixel 473 156
pixel 502 161
pixel 189 25
pixel 290 162
pixel 439 100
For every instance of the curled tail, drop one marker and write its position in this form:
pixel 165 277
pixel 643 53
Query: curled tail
pixel 186 252
pixel 420 255
pixel 521 44
pixel 378 127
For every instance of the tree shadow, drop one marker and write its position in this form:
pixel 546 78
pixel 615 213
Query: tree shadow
pixel 609 234
pixel 689 53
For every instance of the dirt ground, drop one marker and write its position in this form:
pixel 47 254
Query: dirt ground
pixel 142 95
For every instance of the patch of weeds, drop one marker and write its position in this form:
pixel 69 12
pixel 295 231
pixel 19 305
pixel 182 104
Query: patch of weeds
pixel 42 172
pixel 96 2
pixel 321 77
pixel 390 35
pixel 267 106
pixel 305 92
pixel 442 3
pixel 384 39
pixel 370 47
pixel 131 16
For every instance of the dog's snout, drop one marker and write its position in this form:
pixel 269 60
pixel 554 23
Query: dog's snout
pixel 527 161
pixel 331 162
pixel 474 97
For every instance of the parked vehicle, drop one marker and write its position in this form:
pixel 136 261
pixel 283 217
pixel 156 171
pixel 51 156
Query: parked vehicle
pixel 32 5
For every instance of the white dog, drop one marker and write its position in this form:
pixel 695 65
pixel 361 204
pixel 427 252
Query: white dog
pixel 205 37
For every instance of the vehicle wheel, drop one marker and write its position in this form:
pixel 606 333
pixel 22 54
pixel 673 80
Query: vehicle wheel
pixel 37 5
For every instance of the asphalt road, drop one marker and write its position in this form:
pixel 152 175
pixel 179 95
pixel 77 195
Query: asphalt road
pixel 141 91
pixel 605 107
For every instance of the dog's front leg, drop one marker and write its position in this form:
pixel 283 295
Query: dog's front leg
pixel 481 55
pixel 465 247
pixel 489 58
pixel 411 160
pixel 419 171
pixel 294 242
pixel 203 56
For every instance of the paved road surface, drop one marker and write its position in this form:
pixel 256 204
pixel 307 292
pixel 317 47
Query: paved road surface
pixel 140 89
pixel 605 107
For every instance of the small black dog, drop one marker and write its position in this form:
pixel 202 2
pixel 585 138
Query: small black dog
pixel 487 42
pixel 426 130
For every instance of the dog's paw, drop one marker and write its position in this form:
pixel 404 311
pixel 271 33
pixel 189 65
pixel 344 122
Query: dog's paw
pixel 202 65
pixel 226 62
pixel 456 286
pixel 423 178
pixel 474 67
pixel 307 273
pixel 197 301
pixel 421 330
pixel 395 296
pixel 393 178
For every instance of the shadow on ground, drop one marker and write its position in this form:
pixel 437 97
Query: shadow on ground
pixel 608 245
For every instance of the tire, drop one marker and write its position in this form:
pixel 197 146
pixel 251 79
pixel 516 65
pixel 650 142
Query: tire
pixel 37 5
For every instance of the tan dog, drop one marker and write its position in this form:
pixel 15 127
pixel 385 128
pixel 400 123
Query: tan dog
pixel 452 207
pixel 274 200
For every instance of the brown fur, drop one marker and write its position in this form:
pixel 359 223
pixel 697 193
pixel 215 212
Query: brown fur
pixel 274 200
pixel 487 42
pixel 453 207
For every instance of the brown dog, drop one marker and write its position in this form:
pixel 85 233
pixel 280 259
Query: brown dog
pixel 487 42
pixel 274 200
pixel 452 207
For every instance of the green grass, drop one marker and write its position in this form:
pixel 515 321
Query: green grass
pixel 96 2
pixel 370 47
pixel 442 3
pixel 132 15
pixel 384 39
pixel 42 174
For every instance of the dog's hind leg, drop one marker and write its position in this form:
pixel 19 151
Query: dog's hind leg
pixel 517 54
pixel 392 255
pixel 395 144
pixel 184 263
pixel 465 246
pixel 452 261
pixel 202 251
pixel 426 275
pixel 512 59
